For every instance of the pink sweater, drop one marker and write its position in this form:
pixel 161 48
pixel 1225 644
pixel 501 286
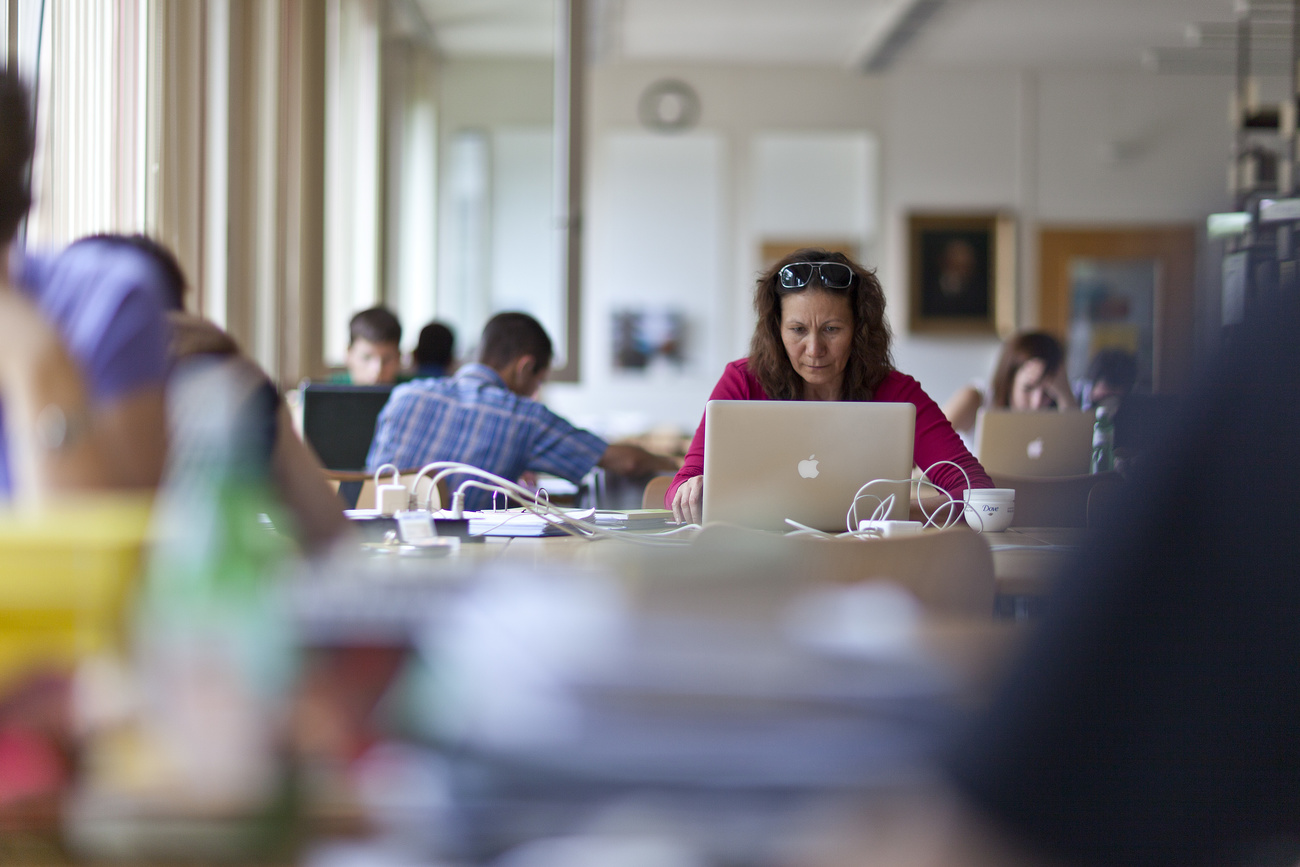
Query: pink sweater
pixel 935 438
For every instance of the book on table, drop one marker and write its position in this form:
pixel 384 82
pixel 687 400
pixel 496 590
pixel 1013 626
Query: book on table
pixel 523 523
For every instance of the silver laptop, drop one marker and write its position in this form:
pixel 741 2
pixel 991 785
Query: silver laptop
pixel 765 461
pixel 1046 443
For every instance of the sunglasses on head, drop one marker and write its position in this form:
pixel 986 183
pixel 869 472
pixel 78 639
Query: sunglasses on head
pixel 833 275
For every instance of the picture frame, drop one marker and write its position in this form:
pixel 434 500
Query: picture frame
pixel 962 273
pixel 648 337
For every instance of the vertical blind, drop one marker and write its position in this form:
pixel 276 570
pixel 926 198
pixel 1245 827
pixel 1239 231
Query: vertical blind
pixel 90 171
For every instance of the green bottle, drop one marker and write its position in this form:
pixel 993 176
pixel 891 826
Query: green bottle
pixel 213 649
pixel 1103 440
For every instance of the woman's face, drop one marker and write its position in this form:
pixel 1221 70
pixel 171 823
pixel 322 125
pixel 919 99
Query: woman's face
pixel 817 330
pixel 1029 386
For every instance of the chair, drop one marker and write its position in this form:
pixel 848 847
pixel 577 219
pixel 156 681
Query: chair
pixel 653 498
pixel 950 572
pixel 347 485
pixel 366 499
pixel 1063 501
pixel 1104 497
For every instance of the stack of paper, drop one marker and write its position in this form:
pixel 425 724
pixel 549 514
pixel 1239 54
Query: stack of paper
pixel 633 519
pixel 520 522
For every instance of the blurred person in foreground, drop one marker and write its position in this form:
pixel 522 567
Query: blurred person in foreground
pixel 1152 717
pixel 82 350
pixel 822 335
pixel 296 473
pixel 486 415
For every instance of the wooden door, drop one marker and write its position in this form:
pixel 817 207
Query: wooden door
pixel 1168 252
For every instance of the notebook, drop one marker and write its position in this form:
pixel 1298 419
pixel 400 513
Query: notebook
pixel 765 461
pixel 338 421
pixel 1046 443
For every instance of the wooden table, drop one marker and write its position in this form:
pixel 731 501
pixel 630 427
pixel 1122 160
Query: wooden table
pixel 1026 560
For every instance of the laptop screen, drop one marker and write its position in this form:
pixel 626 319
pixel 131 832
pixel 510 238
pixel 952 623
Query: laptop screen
pixel 1039 444
pixel 338 421
pixel 766 461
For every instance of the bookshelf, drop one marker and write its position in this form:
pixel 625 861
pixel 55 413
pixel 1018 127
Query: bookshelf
pixel 1262 175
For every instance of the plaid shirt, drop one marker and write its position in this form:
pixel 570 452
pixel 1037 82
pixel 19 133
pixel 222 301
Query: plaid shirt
pixel 473 418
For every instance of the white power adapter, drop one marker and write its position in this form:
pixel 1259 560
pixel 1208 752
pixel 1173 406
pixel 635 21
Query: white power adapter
pixel 891 529
pixel 390 499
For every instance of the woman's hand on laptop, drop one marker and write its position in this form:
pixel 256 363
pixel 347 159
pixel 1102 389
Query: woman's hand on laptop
pixel 688 502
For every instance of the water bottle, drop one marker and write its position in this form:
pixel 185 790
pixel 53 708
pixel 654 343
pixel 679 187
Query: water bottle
pixel 214 655
pixel 1103 440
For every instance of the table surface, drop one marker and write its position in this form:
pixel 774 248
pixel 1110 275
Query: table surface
pixel 1025 559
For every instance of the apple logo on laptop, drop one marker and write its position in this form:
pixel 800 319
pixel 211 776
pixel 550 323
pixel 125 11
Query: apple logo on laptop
pixel 1035 449
pixel 808 468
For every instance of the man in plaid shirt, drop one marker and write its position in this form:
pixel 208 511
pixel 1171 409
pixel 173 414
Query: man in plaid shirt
pixel 485 416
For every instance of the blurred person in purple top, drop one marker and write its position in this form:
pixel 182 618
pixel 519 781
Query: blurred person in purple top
pixel 83 351
pixel 107 302
pixel 314 517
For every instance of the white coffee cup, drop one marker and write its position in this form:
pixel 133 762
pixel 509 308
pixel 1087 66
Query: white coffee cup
pixel 989 494
pixel 989 510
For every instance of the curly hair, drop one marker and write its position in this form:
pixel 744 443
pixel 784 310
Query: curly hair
pixel 15 153
pixel 1020 348
pixel 869 357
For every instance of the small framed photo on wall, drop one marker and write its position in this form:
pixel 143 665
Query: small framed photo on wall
pixel 962 273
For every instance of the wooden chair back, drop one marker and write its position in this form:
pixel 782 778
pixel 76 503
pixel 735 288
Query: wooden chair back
pixel 346 484
pixel 950 571
pixel 655 489
pixel 1104 498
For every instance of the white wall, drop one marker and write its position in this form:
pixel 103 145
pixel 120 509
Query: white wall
pixel 1132 148
pixel 657 241
pixel 1055 149
pixel 738 104
pixel 1096 149
pixel 952 143
pixel 506 106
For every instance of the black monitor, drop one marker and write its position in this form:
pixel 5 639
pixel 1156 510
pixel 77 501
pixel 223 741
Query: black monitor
pixel 338 421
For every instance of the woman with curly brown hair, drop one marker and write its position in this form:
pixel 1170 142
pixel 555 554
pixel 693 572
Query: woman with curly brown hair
pixel 822 335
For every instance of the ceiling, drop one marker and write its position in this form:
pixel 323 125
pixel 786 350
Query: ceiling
pixel 960 34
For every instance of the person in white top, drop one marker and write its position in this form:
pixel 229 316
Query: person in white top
pixel 1030 375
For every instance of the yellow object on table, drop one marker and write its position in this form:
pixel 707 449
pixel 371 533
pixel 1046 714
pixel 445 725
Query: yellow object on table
pixel 66 572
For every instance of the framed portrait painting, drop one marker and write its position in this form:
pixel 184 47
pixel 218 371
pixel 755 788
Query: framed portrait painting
pixel 962 273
